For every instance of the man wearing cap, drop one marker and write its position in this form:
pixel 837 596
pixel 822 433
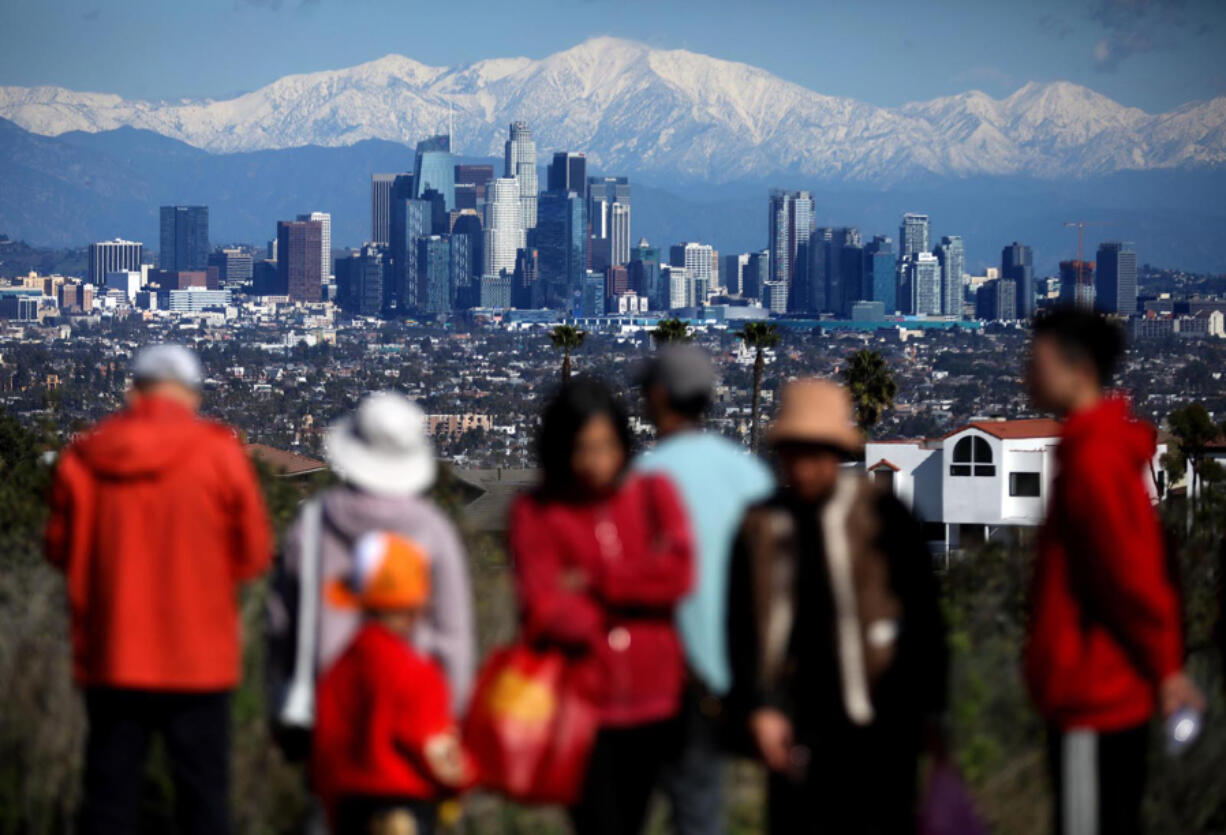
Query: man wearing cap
pixel 717 480
pixel 384 458
pixel 156 518
pixel 838 650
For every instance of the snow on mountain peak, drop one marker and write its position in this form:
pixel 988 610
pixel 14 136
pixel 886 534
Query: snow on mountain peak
pixel 634 107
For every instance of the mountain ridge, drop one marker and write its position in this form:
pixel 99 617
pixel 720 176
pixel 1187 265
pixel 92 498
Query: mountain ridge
pixel 640 109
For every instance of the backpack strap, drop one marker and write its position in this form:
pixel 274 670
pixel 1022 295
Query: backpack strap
pixel 298 709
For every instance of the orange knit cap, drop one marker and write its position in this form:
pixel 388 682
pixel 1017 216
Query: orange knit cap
pixel 389 572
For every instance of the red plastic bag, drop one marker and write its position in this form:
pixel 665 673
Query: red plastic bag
pixel 948 809
pixel 532 725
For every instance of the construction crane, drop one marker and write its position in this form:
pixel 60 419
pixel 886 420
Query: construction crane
pixel 1081 231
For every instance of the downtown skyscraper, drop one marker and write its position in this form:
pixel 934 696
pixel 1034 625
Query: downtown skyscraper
pixel 520 162
pixel 299 247
pixel 324 220
pixel 112 256
pixel 381 207
pixel 504 226
pixel 951 252
pixel 1115 279
pixel 608 211
pixel 1017 265
pixel 184 238
pixel 790 222
pixel 913 234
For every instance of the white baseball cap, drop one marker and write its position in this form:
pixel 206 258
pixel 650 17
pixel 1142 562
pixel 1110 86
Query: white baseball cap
pixel 167 363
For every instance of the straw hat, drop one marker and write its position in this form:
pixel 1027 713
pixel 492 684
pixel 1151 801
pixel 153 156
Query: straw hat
pixel 815 411
pixel 382 446
pixel 389 572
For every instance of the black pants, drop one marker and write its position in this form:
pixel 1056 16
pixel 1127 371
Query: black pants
pixel 196 730
pixel 621 775
pixel 859 781
pixel 1098 780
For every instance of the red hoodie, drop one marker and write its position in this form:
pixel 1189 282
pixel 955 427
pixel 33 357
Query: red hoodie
pixel 156 517
pixel 1104 622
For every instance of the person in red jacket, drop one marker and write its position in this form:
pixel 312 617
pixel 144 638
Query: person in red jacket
pixel 156 518
pixel 601 559
pixel 1104 649
pixel 385 748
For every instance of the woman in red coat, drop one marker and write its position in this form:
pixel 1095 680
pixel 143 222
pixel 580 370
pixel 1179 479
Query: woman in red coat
pixel 602 557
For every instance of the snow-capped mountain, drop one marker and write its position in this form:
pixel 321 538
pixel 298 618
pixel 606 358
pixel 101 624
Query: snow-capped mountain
pixel 634 108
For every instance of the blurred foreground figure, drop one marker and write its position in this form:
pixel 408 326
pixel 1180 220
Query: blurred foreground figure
pixel 838 647
pixel 718 480
pixel 156 517
pixel 601 558
pixel 386 748
pixel 1104 649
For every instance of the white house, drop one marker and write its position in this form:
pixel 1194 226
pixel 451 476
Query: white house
pixel 982 480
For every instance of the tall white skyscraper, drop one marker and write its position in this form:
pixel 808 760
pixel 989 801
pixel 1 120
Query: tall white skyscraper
pixel 951 252
pixel 520 161
pixel 913 234
pixel 324 220
pixel 680 288
pixel 924 278
pixel 697 263
pixel 504 225
pixel 790 222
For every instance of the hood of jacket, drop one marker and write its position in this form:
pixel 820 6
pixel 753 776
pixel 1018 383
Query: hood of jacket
pixel 353 513
pixel 142 440
pixel 1111 422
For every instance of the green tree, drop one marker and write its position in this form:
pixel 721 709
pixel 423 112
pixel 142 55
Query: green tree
pixel 759 336
pixel 872 386
pixel 668 331
pixel 1192 429
pixel 566 338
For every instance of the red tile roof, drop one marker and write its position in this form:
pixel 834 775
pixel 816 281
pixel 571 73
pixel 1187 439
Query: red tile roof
pixel 883 463
pixel 285 463
pixel 1013 429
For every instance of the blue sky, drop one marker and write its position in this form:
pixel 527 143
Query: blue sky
pixel 1154 54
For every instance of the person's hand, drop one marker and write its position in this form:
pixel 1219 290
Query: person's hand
pixel 1177 691
pixel 772 733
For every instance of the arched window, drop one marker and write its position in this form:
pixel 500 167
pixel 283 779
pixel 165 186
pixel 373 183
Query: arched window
pixel 972 456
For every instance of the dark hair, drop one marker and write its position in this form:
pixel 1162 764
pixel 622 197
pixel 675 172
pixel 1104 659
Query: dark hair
pixel 1083 336
pixel 565 415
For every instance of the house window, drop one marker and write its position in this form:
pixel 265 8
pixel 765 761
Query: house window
pixel 972 456
pixel 1024 484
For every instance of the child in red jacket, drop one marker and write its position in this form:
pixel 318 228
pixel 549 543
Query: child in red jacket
pixel 386 748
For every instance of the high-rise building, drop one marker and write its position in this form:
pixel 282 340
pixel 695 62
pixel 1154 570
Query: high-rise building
pixel 951 252
pixel 923 278
pixel 757 273
pixel 608 211
pixel 524 289
pixel 520 153
pixel 233 268
pixel 568 172
pixel 913 234
pixel 411 219
pixel 832 281
pixel 790 222
pixel 733 275
pixel 696 258
pixel 359 281
pixel 504 226
pixel 109 256
pixel 775 296
pixel 996 301
pixel 477 176
pixel 184 238
pixel 1115 280
pixel 465 267
pixel 434 275
pixel 434 168
pixel 561 241
pixel 495 292
pixel 1077 284
pixel 299 247
pixel 1017 264
pixel 325 236
pixel 592 298
pixel 880 282
pixel 680 287
pixel 381 207
pixel 645 277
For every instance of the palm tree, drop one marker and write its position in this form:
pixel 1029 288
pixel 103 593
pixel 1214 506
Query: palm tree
pixel 759 336
pixel 671 330
pixel 567 338
pixel 871 383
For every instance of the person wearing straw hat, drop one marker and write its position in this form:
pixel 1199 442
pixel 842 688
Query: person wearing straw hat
pixel 386 747
pixel 837 643
pixel 385 460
